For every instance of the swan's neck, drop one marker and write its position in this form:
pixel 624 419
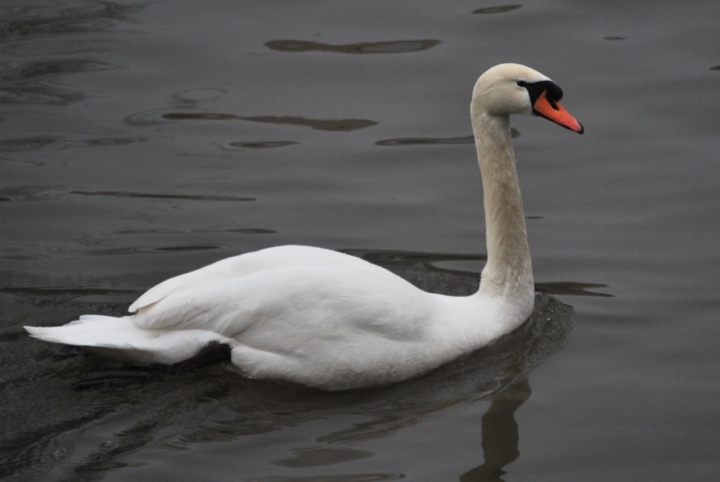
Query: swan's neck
pixel 508 272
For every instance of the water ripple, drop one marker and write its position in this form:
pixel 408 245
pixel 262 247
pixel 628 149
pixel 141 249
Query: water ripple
pixel 192 96
pixel 36 83
pixel 415 141
pixel 64 19
pixel 250 231
pixel 395 47
pixel 198 116
pixel 162 116
pixel 263 144
pixel 343 125
pixel 183 197
pixel 39 142
pixel 571 288
pixel 498 9
pixel 187 248
pixel 26 143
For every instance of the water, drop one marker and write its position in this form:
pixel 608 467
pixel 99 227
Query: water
pixel 142 140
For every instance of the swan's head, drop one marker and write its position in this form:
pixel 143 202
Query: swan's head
pixel 515 89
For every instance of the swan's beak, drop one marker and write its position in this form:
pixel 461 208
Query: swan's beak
pixel 553 111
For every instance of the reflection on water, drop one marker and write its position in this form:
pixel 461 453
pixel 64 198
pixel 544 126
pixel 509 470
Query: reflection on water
pixel 500 433
pixel 396 47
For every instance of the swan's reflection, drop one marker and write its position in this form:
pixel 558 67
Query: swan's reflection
pixel 500 434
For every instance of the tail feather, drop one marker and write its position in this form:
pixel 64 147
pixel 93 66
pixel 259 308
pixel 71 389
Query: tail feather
pixel 121 339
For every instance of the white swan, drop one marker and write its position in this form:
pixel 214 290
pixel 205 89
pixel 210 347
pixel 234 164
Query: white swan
pixel 332 321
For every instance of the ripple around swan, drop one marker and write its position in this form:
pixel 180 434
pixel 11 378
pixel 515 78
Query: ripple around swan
pixel 210 404
pixel 394 47
pixel 571 288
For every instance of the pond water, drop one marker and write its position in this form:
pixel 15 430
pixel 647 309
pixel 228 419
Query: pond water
pixel 141 140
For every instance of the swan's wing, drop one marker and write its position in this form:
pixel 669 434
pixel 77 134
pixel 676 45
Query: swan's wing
pixel 245 264
pixel 300 302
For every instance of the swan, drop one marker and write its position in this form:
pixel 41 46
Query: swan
pixel 332 321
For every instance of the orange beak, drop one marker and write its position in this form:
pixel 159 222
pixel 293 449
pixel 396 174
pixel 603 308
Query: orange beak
pixel 553 111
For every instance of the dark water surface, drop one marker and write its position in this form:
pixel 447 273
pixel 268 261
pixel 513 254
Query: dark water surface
pixel 142 140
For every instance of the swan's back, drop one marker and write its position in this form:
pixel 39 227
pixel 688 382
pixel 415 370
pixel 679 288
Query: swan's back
pixel 248 263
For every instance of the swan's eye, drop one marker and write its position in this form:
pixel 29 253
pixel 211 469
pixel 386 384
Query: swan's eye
pixel 521 83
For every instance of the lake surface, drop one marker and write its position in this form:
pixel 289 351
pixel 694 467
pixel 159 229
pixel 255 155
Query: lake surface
pixel 139 141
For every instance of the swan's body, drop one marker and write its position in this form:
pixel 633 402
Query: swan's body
pixel 333 321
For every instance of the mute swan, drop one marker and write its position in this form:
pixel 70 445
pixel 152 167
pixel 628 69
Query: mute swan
pixel 332 321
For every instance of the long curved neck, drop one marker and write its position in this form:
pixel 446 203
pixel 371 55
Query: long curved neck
pixel 508 272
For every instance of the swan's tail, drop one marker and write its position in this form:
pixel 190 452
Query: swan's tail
pixel 121 339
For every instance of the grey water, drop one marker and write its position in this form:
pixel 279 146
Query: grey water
pixel 141 140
